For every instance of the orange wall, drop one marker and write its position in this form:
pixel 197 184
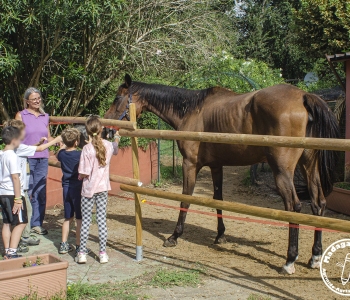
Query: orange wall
pixel 120 165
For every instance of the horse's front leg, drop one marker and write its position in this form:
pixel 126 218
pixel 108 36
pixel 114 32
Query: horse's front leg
pixel 217 176
pixel 190 171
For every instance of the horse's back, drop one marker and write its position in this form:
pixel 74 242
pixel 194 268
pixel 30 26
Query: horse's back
pixel 258 112
pixel 276 110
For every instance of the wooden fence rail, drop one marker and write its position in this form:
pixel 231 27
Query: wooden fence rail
pixel 268 213
pixel 107 122
pixel 242 139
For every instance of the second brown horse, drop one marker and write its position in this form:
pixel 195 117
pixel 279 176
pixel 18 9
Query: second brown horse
pixel 281 110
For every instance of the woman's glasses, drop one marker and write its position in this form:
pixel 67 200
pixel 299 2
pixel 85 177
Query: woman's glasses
pixel 35 99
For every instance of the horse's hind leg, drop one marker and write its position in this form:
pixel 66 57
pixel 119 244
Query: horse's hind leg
pixel 309 167
pixel 190 171
pixel 217 176
pixel 283 162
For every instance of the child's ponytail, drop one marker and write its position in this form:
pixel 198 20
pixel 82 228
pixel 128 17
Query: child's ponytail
pixel 94 129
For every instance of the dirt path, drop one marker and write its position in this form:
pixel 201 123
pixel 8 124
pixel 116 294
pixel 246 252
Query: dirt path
pixel 249 263
pixel 254 253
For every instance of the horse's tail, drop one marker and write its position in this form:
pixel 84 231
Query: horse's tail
pixel 322 124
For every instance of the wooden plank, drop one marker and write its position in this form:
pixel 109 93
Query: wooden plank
pixel 268 213
pixel 114 178
pixel 136 174
pixel 243 139
pixel 107 122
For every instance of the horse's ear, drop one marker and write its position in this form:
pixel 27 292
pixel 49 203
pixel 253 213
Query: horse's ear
pixel 128 80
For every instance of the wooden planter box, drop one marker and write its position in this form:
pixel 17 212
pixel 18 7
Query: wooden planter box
pixel 43 281
pixel 339 201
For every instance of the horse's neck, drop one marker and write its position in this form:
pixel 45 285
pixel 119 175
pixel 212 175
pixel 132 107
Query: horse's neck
pixel 168 117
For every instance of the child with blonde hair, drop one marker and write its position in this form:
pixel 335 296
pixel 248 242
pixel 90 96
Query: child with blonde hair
pixel 94 171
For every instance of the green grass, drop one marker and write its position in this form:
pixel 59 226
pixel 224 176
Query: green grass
pixel 85 291
pixel 128 290
pixel 166 147
pixel 167 172
pixel 246 181
pixel 167 278
pixel 258 297
pixel 34 296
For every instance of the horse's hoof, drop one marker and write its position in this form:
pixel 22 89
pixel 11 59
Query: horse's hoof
pixel 220 240
pixel 170 243
pixel 288 269
pixel 315 261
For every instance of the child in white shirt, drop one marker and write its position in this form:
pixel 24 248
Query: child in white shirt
pixel 14 210
pixel 23 152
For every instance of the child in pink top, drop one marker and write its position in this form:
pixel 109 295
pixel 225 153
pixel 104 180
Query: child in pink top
pixel 94 170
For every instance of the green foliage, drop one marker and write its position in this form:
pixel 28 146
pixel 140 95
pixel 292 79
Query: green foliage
pixel 323 26
pixel 237 74
pixel 326 77
pixel 343 185
pixel 74 50
pixel 266 33
pixel 168 173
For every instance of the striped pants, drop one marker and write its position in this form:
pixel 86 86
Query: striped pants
pixel 87 205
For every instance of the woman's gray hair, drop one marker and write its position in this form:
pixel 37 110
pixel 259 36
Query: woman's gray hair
pixel 30 91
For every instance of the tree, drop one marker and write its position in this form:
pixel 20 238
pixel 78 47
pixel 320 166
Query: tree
pixel 323 26
pixel 266 33
pixel 239 75
pixel 74 50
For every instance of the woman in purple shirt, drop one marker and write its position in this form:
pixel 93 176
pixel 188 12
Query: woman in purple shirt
pixel 37 127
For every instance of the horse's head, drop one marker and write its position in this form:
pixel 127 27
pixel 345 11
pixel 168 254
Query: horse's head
pixel 107 134
pixel 119 109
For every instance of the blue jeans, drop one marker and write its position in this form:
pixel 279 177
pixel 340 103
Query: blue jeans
pixel 37 189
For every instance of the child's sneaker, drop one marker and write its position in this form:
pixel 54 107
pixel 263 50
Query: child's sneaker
pixel 81 259
pixel 22 247
pixel 103 258
pixel 77 250
pixel 65 248
pixel 12 255
pixel 32 240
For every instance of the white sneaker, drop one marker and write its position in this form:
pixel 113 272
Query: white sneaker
pixel 81 258
pixel 103 258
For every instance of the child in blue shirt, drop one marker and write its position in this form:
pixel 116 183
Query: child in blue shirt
pixel 69 156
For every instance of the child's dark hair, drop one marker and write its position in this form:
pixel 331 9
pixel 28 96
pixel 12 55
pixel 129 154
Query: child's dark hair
pixel 9 134
pixel 94 129
pixel 70 136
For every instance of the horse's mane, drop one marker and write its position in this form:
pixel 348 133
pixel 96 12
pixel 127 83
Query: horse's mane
pixel 181 101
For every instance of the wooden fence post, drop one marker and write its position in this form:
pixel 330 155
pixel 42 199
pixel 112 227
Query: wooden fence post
pixel 136 174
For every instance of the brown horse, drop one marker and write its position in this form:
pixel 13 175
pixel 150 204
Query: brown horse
pixel 281 110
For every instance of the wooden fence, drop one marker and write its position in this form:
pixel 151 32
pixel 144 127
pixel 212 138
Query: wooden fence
pixel 129 128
